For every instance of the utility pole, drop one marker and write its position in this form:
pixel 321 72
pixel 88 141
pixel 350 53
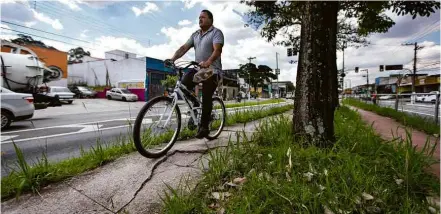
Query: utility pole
pixel 416 48
pixel 249 88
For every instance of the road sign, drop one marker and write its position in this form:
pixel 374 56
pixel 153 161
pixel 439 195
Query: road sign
pixel 277 71
pixel 394 67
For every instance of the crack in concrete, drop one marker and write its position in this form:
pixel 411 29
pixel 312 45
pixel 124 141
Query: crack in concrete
pixel 159 162
pixel 90 198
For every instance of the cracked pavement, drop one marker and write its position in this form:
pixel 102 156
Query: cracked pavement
pixel 131 184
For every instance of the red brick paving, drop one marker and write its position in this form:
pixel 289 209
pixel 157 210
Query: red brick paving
pixel 388 128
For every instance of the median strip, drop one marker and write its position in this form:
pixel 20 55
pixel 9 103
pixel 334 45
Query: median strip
pixel 32 178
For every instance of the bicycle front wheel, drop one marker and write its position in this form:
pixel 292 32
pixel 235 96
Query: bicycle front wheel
pixel 157 127
pixel 217 118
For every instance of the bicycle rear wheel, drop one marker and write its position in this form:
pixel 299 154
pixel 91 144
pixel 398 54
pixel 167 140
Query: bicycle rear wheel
pixel 157 127
pixel 217 119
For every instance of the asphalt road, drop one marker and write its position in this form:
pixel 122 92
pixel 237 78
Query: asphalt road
pixel 426 110
pixel 61 134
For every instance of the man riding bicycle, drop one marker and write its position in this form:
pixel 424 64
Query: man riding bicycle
pixel 207 42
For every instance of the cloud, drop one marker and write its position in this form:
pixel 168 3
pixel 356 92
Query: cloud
pixel 55 23
pixel 184 22
pixel 19 12
pixel 83 34
pixel 149 8
pixel 72 4
pixel 188 4
pixel 30 24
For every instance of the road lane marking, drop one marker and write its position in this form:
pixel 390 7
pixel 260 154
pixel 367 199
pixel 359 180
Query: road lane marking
pixel 183 116
pixel 7 137
pixel 419 113
pixel 119 119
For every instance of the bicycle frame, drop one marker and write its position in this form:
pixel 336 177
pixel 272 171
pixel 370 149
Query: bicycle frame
pixel 179 91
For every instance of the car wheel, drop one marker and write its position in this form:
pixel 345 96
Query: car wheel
pixel 124 99
pixel 70 102
pixel 6 118
pixel 109 97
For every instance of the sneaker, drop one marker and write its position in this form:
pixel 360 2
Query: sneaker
pixel 203 132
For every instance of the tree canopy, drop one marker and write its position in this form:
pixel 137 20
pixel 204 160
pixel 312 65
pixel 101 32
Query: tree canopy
pixel 256 76
pixel 357 19
pixel 76 54
pixel 28 40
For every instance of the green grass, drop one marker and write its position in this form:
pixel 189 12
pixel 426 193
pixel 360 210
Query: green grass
pixel 276 169
pixel 31 178
pixel 252 103
pixel 426 125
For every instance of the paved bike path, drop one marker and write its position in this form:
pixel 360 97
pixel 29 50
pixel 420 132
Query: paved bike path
pixel 390 129
pixel 110 188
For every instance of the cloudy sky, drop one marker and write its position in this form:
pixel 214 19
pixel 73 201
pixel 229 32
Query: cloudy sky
pixel 157 28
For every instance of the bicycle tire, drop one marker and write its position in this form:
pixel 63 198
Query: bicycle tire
pixel 221 128
pixel 138 124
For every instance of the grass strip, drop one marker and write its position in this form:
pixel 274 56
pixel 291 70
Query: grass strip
pixel 272 173
pixel 423 124
pixel 32 178
pixel 251 103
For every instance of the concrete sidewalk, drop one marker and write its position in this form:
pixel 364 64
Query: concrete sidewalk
pixel 131 184
pixel 389 129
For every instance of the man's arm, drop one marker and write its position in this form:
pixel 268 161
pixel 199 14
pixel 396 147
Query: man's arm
pixel 181 51
pixel 184 48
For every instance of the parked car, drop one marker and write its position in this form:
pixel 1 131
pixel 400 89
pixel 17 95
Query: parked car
pixel 63 93
pixel 386 97
pixel 121 94
pixel 15 107
pixel 83 92
pixel 427 98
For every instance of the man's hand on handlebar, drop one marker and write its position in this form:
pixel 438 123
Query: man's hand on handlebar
pixel 169 63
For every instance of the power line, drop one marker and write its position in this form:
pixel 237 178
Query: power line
pixel 43 31
pixel 21 32
pixel 95 25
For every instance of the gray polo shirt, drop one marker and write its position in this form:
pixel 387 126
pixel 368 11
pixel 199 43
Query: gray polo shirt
pixel 203 46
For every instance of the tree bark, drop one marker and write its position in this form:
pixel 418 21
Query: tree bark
pixel 316 74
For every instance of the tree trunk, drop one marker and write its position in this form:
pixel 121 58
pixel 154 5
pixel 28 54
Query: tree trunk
pixel 316 74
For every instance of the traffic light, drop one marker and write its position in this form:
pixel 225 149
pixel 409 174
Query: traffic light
pixel 356 69
pixel 289 51
pixel 381 68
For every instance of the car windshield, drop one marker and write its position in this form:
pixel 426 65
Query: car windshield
pixel 60 90
pixel 125 91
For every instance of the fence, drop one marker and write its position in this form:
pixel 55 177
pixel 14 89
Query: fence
pixel 423 104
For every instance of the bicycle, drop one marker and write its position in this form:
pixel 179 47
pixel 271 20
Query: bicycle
pixel 152 140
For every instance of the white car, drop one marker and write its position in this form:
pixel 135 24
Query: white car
pixel 386 97
pixel 63 93
pixel 428 98
pixel 121 94
pixel 15 107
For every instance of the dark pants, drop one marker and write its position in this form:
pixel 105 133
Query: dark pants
pixel 208 88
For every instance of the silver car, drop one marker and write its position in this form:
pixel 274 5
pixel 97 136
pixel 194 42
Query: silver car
pixel 121 94
pixel 63 93
pixel 15 107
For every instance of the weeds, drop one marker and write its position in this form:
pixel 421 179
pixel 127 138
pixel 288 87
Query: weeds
pixel 32 178
pixel 423 124
pixel 360 174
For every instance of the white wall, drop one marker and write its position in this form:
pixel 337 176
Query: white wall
pixel 118 55
pixel 94 73
pixel 61 82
